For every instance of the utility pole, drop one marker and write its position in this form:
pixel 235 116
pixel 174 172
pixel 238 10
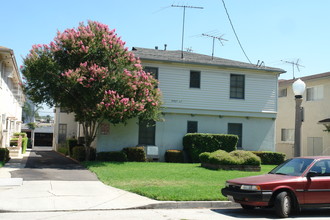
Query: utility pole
pixel 214 37
pixel 184 15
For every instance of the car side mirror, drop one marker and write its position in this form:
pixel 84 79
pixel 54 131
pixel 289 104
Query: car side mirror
pixel 311 174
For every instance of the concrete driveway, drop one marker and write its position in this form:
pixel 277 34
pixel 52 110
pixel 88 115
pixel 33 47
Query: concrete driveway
pixel 47 181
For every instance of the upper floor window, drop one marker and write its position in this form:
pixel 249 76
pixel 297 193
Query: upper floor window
pixel 152 70
pixel 237 86
pixel 283 92
pixel 314 93
pixel 195 79
pixel 192 127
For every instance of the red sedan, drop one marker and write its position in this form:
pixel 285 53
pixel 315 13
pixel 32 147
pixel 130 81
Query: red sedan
pixel 297 183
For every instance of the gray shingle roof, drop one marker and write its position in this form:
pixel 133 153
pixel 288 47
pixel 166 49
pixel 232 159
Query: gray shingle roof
pixel 306 78
pixel 195 58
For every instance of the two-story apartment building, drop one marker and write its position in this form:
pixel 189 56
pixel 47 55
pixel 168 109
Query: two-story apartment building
pixel 11 96
pixel 201 94
pixel 316 104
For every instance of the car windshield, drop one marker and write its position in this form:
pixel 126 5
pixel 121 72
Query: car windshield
pixel 292 167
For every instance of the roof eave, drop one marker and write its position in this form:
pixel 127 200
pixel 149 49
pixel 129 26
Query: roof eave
pixel 279 71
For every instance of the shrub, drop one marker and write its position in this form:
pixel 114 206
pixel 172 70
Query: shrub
pixel 118 156
pixel 23 134
pixel 174 156
pixel 71 143
pixel 239 157
pixel 197 143
pixel 245 157
pixel 136 154
pixel 63 150
pixel 270 158
pixel 79 153
pixel 4 155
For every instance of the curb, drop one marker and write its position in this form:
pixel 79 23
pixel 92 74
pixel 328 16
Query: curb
pixel 190 205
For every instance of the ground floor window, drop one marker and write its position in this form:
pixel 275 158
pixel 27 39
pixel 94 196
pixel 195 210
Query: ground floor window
pixel 192 127
pixel 236 129
pixel 147 132
pixel 287 135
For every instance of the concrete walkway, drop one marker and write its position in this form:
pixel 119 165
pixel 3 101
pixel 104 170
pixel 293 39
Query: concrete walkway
pixel 60 189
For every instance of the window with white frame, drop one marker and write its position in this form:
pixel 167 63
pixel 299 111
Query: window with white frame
pixel 314 93
pixel 287 135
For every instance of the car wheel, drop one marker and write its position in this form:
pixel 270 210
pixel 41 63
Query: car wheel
pixel 283 204
pixel 248 207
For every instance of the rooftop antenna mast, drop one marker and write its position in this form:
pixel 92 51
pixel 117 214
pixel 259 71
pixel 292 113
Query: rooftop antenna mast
pixel 214 37
pixel 294 64
pixel 184 15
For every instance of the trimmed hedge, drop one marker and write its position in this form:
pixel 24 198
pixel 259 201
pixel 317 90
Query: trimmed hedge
pixel 71 143
pixel 238 157
pixel 136 154
pixel 117 156
pixel 174 156
pixel 4 155
pixel 79 153
pixel 197 143
pixel 23 134
pixel 270 158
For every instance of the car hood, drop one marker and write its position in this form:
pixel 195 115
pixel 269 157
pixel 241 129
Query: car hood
pixel 263 179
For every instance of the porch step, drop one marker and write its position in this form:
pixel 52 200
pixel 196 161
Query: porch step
pixel 15 152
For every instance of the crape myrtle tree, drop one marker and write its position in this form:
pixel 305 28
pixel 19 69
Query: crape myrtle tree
pixel 88 71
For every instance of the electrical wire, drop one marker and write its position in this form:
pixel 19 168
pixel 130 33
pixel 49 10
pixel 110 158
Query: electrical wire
pixel 232 26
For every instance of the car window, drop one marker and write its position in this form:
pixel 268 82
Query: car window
pixel 292 167
pixel 321 168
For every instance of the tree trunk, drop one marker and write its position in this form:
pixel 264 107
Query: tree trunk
pixel 90 130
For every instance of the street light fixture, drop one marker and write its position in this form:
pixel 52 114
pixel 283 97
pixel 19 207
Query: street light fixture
pixel 298 89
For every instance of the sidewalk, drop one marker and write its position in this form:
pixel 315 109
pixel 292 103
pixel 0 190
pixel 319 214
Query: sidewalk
pixel 49 195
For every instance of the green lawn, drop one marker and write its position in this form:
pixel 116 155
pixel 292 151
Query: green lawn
pixel 167 181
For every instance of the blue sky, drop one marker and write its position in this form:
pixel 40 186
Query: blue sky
pixel 269 31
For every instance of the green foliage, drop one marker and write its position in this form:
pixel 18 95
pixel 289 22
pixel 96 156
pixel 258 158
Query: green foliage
pixel 4 155
pixel 270 158
pixel 135 154
pixel 71 143
pixel 117 156
pixel 32 125
pixel 88 71
pixel 197 143
pixel 63 150
pixel 17 134
pixel 238 157
pixel 79 153
pixel 24 144
pixel 174 156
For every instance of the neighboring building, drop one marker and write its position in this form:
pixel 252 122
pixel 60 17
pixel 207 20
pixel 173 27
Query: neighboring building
pixel 316 113
pixel 200 94
pixel 11 96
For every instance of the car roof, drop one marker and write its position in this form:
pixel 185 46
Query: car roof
pixel 315 157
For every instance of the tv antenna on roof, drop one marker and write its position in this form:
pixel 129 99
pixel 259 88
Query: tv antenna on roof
pixel 184 15
pixel 214 37
pixel 294 64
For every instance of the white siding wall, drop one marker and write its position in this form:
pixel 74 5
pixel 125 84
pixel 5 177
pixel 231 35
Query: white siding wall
pixel 258 133
pixel 260 89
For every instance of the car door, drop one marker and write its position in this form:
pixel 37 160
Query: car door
pixel 317 188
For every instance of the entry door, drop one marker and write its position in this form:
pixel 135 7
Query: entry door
pixel 314 146
pixel 317 189
pixel 62 130
pixel 236 129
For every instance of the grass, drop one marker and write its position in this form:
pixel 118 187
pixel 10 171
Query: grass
pixel 168 181
pixel 1 164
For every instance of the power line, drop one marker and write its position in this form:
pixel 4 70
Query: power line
pixel 232 26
